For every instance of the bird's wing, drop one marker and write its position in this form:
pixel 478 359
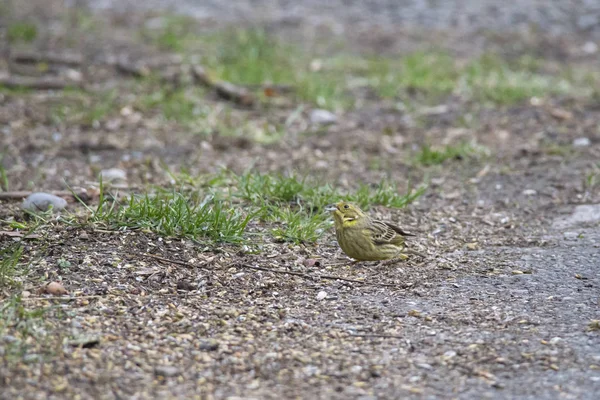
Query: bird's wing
pixel 386 233
pixel 399 230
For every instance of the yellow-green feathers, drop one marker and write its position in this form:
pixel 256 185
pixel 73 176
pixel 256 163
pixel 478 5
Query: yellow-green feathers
pixel 364 238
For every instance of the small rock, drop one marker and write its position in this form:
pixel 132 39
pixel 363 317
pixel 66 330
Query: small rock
pixel 208 345
pixel 424 366
pixel 85 342
pixel 473 246
pixel 571 235
pixel 322 117
pixel 529 192
pixel 73 75
pixel 356 369
pixel 590 47
pixel 582 142
pixel 40 201
pixel 166 371
pixel 555 340
pixel 9 339
pixel 25 294
pixel 55 289
pixel 113 174
pixel 449 354
pixel 435 110
pixel 185 285
pixel 321 295
pixel 311 262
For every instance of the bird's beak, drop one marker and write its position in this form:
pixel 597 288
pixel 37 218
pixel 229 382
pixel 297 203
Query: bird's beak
pixel 331 207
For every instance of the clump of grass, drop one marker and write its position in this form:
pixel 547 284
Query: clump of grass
pixel 9 258
pixel 494 79
pixel 296 225
pixel 258 188
pixel 293 205
pixel 28 329
pixel 487 78
pixel 172 214
pixel 80 108
pixel 179 105
pixel 431 72
pixel 21 32
pixel 385 194
pixel 429 155
pixel 173 34
pixel 296 204
pixel 3 176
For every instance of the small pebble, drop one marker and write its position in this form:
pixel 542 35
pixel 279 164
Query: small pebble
pixel 113 174
pixel 582 142
pixel 450 354
pixel 40 201
pixel 166 371
pixel 589 47
pixel 322 117
pixel 571 235
pixel 529 192
pixel 555 340
pixel 321 295
pixel 208 345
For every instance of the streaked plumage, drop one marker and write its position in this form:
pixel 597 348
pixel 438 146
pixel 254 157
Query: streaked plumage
pixel 364 238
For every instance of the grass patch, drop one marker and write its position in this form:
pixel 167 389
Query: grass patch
pixel 296 224
pixel 172 34
pixel 30 339
pixel 252 57
pixel 77 107
pixel 429 155
pixel 262 189
pixel 3 177
pixel 487 78
pixel 491 78
pixel 296 204
pixel 180 105
pixel 9 258
pixel 431 72
pixel 172 214
pixel 219 208
pixel 21 32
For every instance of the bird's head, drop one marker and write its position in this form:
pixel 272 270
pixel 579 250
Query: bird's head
pixel 345 213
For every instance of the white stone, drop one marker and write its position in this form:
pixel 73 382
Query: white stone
pixel 40 201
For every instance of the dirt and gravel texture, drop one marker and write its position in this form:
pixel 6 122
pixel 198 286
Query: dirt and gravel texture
pixel 502 306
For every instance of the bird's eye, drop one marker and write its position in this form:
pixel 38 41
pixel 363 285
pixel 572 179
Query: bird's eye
pixel 346 206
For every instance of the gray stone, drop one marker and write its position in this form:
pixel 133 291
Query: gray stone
pixel 113 174
pixel 166 370
pixel 39 202
pixel 582 142
pixel 322 117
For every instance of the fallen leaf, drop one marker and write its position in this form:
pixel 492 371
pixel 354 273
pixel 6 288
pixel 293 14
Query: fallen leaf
pixel 559 113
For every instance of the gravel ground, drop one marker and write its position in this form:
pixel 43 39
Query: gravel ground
pixel 554 16
pixel 501 308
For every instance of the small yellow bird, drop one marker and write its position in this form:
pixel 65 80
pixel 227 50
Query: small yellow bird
pixel 364 238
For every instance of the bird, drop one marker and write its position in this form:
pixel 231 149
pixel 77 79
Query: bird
pixel 364 238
